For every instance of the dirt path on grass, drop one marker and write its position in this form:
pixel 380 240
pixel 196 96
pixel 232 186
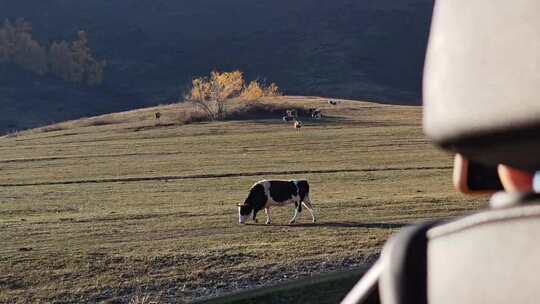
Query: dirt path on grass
pixel 223 175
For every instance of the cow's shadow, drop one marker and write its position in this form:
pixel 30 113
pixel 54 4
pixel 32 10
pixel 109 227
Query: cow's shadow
pixel 338 225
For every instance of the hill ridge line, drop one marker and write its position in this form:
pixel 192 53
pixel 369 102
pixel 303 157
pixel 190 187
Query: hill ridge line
pixel 222 175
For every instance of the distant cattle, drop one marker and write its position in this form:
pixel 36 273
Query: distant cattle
pixel 292 113
pixel 315 113
pixel 158 115
pixel 333 102
pixel 298 124
pixel 266 194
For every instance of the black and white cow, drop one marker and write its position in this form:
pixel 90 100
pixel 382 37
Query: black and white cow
pixel 315 113
pixel 266 194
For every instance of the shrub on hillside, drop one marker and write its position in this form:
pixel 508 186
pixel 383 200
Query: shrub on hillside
pixel 255 90
pixel 258 110
pixel 52 128
pixel 272 90
pixel 252 92
pixel 189 116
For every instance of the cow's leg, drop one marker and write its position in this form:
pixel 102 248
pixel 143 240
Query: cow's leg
pixel 297 212
pixel 255 215
pixel 268 216
pixel 309 206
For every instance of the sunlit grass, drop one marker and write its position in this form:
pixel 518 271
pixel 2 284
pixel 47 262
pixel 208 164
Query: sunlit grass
pixel 172 232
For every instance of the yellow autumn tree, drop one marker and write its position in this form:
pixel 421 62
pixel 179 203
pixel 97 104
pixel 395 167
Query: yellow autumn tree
pixel 17 46
pixel 272 90
pixel 95 73
pixel 61 60
pixel 31 56
pixel 73 62
pixel 86 69
pixel 252 92
pixel 255 90
pixel 212 93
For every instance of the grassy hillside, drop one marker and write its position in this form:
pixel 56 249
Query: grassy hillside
pixel 94 211
pixel 369 50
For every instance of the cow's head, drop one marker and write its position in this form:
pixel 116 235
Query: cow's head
pixel 244 211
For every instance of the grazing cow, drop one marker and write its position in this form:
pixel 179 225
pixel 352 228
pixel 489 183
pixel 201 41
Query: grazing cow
pixel 266 194
pixel 315 113
pixel 297 125
pixel 287 118
pixel 158 116
pixel 292 113
pixel 333 102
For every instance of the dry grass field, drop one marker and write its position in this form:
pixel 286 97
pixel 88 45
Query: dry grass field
pixel 97 211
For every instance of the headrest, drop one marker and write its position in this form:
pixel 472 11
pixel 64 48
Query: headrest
pixel 482 80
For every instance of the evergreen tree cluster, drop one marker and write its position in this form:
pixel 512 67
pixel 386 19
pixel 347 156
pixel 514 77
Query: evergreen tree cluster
pixel 72 62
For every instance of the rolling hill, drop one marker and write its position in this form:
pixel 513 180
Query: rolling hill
pixel 109 208
pixel 369 50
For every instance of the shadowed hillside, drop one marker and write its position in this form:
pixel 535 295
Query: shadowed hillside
pixel 371 50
